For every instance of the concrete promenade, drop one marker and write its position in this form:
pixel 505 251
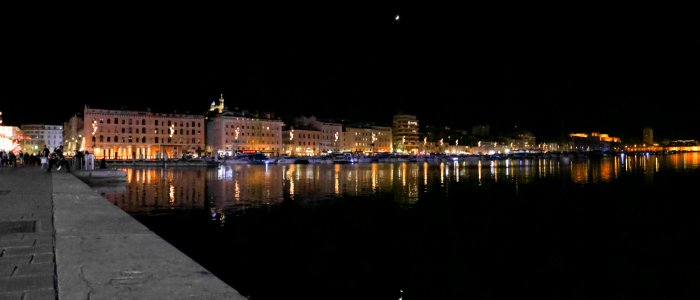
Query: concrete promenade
pixel 60 239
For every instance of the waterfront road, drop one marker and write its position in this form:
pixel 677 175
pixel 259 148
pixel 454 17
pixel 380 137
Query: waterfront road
pixel 60 239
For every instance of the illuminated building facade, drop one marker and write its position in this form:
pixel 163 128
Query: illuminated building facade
pixel 301 142
pixel 10 138
pixel 405 134
pixel 237 132
pixel 331 133
pixel 332 138
pixel 123 134
pixel 227 135
pixel 73 139
pixel 522 140
pixel 375 139
pixel 38 135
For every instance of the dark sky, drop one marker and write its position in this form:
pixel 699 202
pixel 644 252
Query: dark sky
pixel 576 70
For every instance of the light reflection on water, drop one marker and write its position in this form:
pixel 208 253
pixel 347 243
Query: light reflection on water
pixel 231 188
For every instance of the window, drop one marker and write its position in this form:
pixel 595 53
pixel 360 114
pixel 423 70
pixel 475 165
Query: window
pixel 143 139
pixel 123 130
pixel 130 130
pixel 108 139
pixel 168 122
pixel 199 124
pixel 137 130
pixel 131 140
pixel 143 130
pixel 108 120
pixel 130 121
pixel 156 139
pixel 123 121
pixel 93 138
pixel 156 122
pixel 116 139
pixel 192 124
pixel 180 130
pixel 102 139
pixel 143 122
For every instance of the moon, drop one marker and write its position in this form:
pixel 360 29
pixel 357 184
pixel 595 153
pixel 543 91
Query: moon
pixel 396 18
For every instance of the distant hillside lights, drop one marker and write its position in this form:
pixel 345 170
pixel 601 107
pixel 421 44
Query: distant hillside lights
pixel 593 142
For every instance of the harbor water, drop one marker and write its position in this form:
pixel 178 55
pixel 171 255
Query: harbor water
pixel 613 227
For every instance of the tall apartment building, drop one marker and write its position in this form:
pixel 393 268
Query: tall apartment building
pixel 123 134
pixel 405 134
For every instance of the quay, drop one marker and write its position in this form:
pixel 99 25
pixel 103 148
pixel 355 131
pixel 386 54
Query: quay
pixel 59 239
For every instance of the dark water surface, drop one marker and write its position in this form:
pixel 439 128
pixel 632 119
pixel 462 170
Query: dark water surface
pixel 617 227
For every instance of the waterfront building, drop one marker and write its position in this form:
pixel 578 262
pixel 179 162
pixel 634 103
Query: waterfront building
pixel 230 132
pixel 522 140
pixel 38 135
pixel 301 141
pixel 73 139
pixel 374 139
pixel 124 134
pixel 648 136
pixel 405 134
pixel 331 133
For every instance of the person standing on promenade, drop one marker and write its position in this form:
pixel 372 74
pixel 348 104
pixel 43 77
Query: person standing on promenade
pixel 12 159
pixel 44 156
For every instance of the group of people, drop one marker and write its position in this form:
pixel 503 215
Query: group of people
pixel 55 158
pixel 10 159
pixel 44 158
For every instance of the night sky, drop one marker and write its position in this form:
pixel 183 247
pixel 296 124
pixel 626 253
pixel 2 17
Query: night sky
pixel 548 73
